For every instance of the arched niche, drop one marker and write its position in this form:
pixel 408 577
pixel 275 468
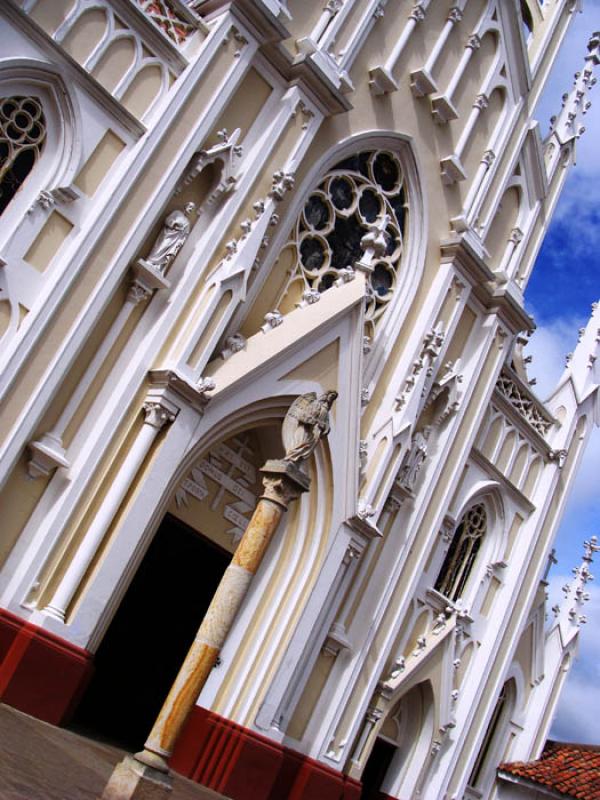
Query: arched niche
pixel 143 90
pixel 518 466
pixel 495 738
pixel 505 219
pixel 506 451
pixel 86 34
pixel 493 437
pixel 483 133
pixel 205 182
pixel 404 740
pixel 115 62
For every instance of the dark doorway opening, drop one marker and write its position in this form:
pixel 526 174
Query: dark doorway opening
pixel 376 768
pixel 149 635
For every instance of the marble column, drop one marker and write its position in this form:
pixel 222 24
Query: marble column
pixel 283 482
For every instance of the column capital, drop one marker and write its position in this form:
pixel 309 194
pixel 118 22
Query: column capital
pixel 284 481
pixel 158 412
pixel 180 388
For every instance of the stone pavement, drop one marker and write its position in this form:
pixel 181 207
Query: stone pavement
pixel 41 762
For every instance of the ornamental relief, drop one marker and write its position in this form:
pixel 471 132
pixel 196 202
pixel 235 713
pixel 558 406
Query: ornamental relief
pixel 355 218
pixel 219 493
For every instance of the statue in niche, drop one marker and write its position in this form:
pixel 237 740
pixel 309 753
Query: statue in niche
pixel 305 423
pixel 415 458
pixel 173 234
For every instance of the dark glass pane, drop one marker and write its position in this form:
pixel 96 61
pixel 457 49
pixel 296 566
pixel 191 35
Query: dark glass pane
pixel 344 241
pixel 397 204
pixel 369 205
pixel 357 163
pixel 349 164
pixel 22 120
pixel 31 108
pixel 363 160
pixel 381 280
pixel 316 213
pixel 14 177
pixel 312 253
pixel 341 193
pixel 390 241
pixel 442 584
pixel 385 171
pixel 326 282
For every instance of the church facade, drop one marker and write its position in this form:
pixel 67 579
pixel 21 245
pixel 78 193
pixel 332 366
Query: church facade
pixel 210 209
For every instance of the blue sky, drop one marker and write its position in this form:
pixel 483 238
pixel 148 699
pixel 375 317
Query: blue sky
pixel 564 283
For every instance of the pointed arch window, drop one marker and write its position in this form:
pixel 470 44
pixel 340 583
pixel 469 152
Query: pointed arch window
pixel 358 212
pixel 462 553
pixel 22 137
pixel 494 742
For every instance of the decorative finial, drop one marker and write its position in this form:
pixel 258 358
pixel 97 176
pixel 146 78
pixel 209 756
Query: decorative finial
pixel 567 124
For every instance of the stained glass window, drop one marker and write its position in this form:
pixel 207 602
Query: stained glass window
pixel 22 137
pixel 361 195
pixel 462 553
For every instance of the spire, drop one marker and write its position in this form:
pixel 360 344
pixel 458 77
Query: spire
pixel 567 125
pixel 569 613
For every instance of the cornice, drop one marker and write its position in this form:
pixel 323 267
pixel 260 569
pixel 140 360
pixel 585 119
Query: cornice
pixel 260 20
pixel 304 72
pixel 496 299
pixel 194 395
pixel 258 16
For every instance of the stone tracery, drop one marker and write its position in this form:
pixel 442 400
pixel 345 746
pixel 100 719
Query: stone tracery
pixel 22 137
pixel 360 201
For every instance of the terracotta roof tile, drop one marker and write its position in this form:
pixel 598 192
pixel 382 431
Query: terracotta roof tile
pixel 569 769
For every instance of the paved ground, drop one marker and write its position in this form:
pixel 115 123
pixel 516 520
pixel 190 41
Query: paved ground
pixel 41 762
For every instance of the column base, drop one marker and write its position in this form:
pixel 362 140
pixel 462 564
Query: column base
pixel 132 780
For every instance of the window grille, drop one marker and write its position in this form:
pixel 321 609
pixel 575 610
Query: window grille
pixel 22 137
pixel 462 553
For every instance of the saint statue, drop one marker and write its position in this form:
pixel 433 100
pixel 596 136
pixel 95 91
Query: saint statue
pixel 174 232
pixel 415 459
pixel 305 423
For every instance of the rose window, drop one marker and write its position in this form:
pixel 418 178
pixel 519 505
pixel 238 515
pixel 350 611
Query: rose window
pixel 355 218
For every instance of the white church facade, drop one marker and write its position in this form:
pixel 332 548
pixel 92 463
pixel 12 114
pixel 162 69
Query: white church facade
pixel 210 209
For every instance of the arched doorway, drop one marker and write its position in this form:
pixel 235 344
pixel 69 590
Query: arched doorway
pixel 156 621
pixel 394 766
pixel 150 634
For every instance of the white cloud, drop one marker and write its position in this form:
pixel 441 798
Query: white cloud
pixel 578 718
pixel 548 346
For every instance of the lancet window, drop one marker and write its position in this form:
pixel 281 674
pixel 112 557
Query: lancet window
pixel 488 755
pixel 357 213
pixel 462 553
pixel 22 137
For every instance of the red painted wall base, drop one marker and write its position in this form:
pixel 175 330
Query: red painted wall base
pixel 40 673
pixel 243 765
